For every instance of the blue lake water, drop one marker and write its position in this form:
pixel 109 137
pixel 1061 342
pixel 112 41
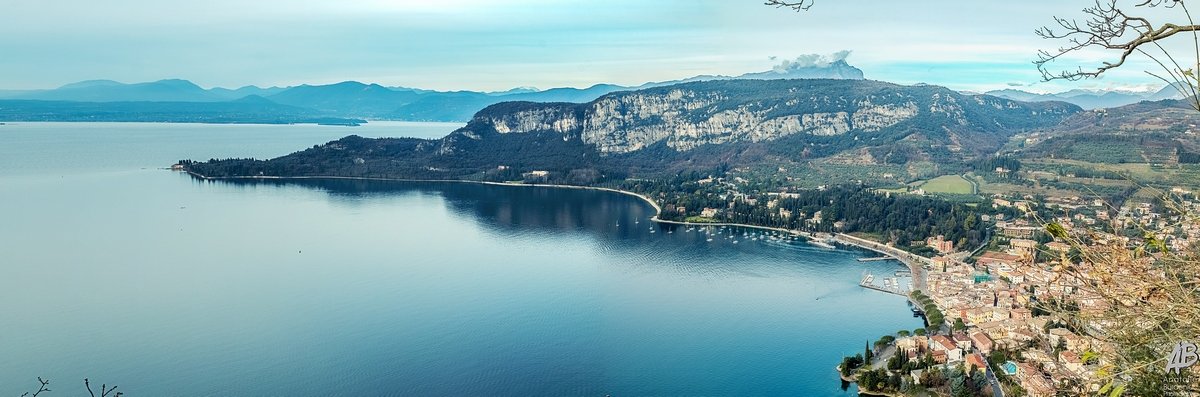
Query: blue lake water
pixel 114 269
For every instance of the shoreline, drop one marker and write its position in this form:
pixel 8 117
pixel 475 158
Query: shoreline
pixel 841 238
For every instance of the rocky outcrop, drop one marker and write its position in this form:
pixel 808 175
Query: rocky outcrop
pixel 687 116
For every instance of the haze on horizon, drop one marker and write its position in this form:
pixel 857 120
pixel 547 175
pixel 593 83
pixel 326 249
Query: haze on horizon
pixel 493 45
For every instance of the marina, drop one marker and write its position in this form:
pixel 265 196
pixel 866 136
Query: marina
pixel 897 285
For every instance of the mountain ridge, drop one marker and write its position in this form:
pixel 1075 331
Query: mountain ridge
pixel 687 126
pixel 1091 99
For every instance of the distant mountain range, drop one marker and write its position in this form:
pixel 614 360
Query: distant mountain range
pixel 347 100
pixel 1091 99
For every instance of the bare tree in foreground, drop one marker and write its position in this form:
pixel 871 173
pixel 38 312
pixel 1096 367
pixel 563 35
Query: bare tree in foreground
pixel 1135 305
pixel 43 387
pixel 1124 30
pixel 802 5
pixel 105 391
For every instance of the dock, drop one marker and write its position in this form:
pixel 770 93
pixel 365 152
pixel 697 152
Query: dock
pixel 916 264
pixel 890 285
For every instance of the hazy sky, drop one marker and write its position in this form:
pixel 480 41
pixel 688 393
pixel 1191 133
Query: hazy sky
pixel 499 44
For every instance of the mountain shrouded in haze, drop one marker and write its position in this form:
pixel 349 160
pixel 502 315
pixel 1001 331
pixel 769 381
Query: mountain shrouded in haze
pixel 696 125
pixel 1091 99
pixel 351 99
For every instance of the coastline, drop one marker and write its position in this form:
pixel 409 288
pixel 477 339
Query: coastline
pixel 837 237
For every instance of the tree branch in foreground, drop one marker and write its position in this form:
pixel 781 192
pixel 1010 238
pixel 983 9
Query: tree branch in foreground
pixel 1112 28
pixel 41 388
pixel 802 5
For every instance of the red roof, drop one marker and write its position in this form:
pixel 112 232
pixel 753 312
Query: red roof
pixel 945 342
pixel 1000 257
pixel 977 360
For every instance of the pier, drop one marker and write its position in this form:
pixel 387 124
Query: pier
pixel 890 285
pixel 916 264
pixel 882 258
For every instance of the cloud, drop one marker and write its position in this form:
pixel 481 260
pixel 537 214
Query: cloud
pixel 809 60
pixel 1016 84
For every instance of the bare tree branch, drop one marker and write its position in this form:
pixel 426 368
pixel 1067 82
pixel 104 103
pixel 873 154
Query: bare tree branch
pixel 802 5
pixel 1109 27
pixel 45 383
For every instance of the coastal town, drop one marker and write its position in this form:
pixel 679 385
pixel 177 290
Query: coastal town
pixel 992 310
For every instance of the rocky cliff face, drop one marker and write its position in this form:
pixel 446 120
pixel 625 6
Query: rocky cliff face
pixel 687 116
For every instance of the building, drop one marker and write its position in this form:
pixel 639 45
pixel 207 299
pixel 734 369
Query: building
pixel 940 244
pixel 913 345
pixel 1034 381
pixel 1058 246
pixel 947 348
pixel 992 260
pixel 708 212
pixel 1023 247
pixel 1020 314
pixel 982 342
pixel 1072 362
pixel 1069 339
pixel 976 360
pixel 1019 231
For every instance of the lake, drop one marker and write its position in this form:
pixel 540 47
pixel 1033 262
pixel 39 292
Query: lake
pixel 116 269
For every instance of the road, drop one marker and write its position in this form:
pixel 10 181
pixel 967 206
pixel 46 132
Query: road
pixel 880 360
pixel 974 185
pixel 997 391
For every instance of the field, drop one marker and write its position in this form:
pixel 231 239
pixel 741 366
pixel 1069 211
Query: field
pixel 1162 176
pixel 950 184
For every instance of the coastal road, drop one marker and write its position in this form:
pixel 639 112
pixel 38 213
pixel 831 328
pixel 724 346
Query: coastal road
pixel 880 360
pixel 997 391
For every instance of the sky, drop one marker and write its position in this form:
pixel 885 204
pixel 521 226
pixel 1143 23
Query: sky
pixel 492 45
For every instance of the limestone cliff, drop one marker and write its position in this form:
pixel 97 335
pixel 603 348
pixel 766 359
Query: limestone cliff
pixel 687 116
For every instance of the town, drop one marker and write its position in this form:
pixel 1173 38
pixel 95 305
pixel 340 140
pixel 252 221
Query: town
pixel 992 295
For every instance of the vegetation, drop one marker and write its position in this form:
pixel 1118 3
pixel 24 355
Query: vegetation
pixel 901 219
pixel 950 184
pixel 933 316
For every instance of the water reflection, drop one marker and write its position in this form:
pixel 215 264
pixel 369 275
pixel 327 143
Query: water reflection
pixel 501 208
pixel 617 223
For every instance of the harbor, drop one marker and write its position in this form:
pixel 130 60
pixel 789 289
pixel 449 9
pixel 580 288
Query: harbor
pixel 897 285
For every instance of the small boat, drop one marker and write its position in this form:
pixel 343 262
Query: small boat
pixel 710 239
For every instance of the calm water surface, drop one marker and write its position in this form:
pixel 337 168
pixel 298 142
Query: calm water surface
pixel 113 269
